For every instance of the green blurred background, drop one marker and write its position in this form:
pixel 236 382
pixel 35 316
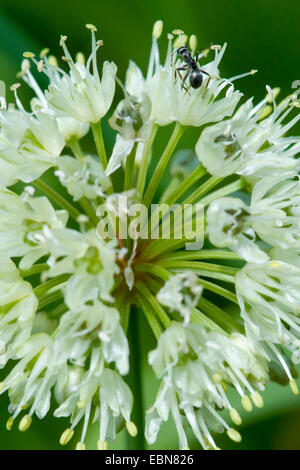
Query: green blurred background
pixel 261 34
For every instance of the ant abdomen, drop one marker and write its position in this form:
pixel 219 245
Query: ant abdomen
pixel 196 78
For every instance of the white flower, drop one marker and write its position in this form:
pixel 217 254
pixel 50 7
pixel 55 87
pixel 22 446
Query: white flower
pixel 81 94
pixel 18 306
pixel 169 101
pixel 131 120
pixel 181 292
pixel 249 143
pixel 91 326
pixel 82 176
pixel 29 144
pixel 269 298
pixel 192 364
pixel 90 261
pixel 229 225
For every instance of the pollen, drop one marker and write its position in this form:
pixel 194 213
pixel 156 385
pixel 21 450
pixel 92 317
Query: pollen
pixel 91 27
pixel 101 445
pixel 44 52
pixel 257 400
pixel 25 423
pixel 294 387
pixel 9 423
pixel 157 29
pixel 235 417
pixel 234 435
pixel 246 403
pixel 28 55
pixel 131 428
pixel 66 436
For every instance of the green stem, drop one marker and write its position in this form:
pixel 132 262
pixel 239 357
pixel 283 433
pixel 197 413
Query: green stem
pixel 186 185
pixel 135 382
pixel 56 197
pixel 219 316
pixel 89 210
pixel 198 266
pixel 163 317
pixel 75 146
pixel 198 317
pixel 55 281
pixel 228 189
pixel 218 290
pixel 162 164
pixel 35 269
pixel 150 316
pixel 98 137
pixel 204 188
pixel 158 271
pixel 142 174
pixel 203 254
pixel 50 298
pixel 129 169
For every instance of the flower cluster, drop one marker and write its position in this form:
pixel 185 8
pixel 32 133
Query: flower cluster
pixel 70 296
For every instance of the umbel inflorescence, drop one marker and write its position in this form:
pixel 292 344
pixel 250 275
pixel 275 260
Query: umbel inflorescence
pixel 224 315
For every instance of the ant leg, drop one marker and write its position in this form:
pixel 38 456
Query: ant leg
pixel 207 83
pixel 184 67
pixel 183 81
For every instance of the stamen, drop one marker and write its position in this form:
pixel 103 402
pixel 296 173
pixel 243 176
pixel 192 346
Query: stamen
pixel 25 423
pixel 44 52
pixel 52 60
pixel 28 55
pixel 294 387
pixel 40 66
pixel 246 403
pixel 257 399
pixel 9 423
pixel 101 445
pixel 80 446
pixel 234 435
pixel 235 417
pixel 193 42
pixel 157 29
pixel 91 27
pixel 66 436
pixel 79 58
pixel 131 428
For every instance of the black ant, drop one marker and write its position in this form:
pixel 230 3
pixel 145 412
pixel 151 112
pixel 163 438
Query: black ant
pixel 192 69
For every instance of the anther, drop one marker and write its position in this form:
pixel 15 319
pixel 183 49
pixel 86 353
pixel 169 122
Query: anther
pixel 28 55
pixel 157 29
pixel 246 403
pixel 40 66
pixel 52 60
pixel 253 72
pixel 193 42
pixel 131 428
pixel 234 435
pixel 177 32
pixel 235 417
pixel 294 387
pixel 101 445
pixel 81 404
pixel 44 52
pixel 14 86
pixel 257 399
pixel 80 446
pixel 91 27
pixel 9 423
pixel 66 436
pixel 100 42
pixel 62 40
pixel 25 423
pixel 215 47
pixel 66 59
pixel 217 378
